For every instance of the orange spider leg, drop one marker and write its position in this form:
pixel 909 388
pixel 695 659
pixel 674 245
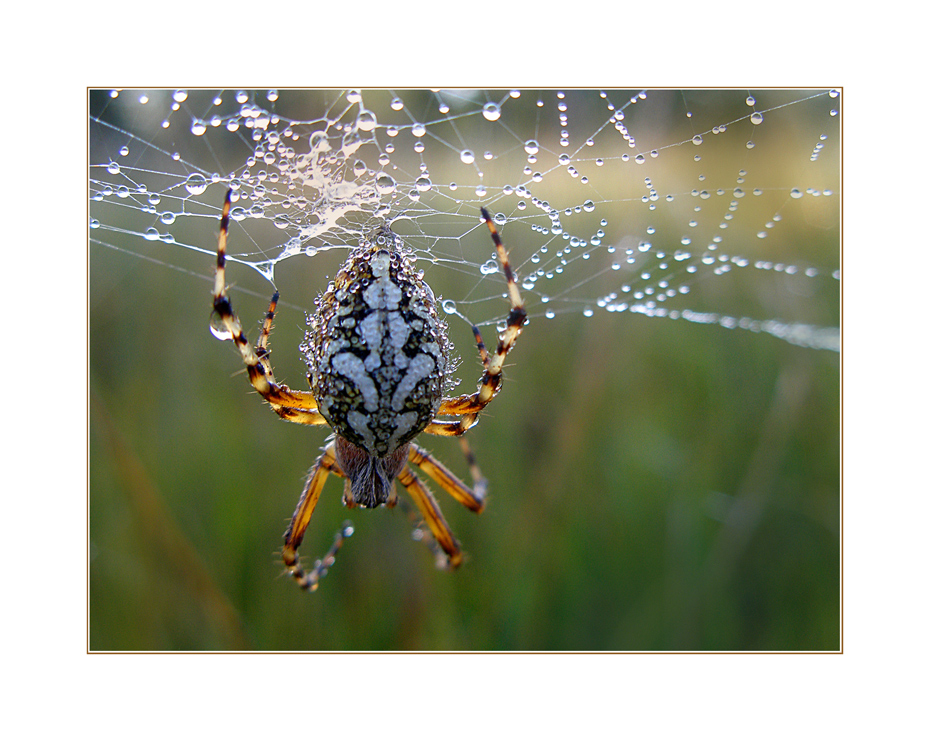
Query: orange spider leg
pixel 294 535
pixel 296 406
pixel 429 507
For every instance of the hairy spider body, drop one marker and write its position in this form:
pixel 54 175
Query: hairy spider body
pixel 378 355
pixel 379 361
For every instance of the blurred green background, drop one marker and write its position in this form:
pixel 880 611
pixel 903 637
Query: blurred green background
pixel 655 485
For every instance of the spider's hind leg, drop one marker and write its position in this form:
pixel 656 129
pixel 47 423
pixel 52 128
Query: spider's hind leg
pixel 294 535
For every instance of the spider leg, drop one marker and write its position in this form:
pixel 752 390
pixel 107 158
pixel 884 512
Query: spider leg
pixel 296 406
pixel 479 482
pixel 471 498
pixel 470 405
pixel 294 534
pixel 323 565
pixel 429 507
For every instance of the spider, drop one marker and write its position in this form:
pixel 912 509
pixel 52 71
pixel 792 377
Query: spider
pixel 378 357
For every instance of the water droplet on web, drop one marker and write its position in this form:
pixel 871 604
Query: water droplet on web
pixel 423 183
pixel 697 140
pixel 481 191
pixel 796 193
pixel 491 111
pixel 467 156
pixel 384 183
pixel 196 184
pixel 124 150
pixel 113 168
pixel 94 223
pixel 353 96
pixel 531 146
pixel 750 101
pixel 418 129
pixel 489 268
pixel 397 104
pixel 588 206
pixel 639 159
pixel 168 217
pixel 448 306
pixel 756 118
pixel 198 127
pixel 237 214
pixel 151 234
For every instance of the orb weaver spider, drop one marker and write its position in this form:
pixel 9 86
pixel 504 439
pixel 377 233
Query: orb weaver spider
pixel 379 358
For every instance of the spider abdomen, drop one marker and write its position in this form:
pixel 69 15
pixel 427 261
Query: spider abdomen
pixel 377 350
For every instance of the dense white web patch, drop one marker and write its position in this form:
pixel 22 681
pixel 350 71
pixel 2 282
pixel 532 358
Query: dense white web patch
pixel 712 207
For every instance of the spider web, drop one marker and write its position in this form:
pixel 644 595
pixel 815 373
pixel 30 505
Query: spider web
pixel 716 207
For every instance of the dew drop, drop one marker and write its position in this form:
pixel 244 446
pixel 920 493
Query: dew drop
pixel 448 306
pixel 491 111
pixel 151 234
pixel 198 127
pixel 756 118
pixel 196 184
pixel 423 183
pixel 384 183
pixel 218 327
pixel 366 120
pixel 750 100
pixel 418 129
pixel 531 146
pixel 397 104
pixel 489 268
pixel 697 140
pixel 639 159
pixel 588 206
pixel 168 217
pixel 467 156
pixel 113 168
pixel 796 193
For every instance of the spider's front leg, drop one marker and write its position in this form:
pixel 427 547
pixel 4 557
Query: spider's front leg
pixel 469 406
pixel 296 406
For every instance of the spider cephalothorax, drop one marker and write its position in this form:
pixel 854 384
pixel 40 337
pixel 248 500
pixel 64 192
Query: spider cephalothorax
pixel 379 359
